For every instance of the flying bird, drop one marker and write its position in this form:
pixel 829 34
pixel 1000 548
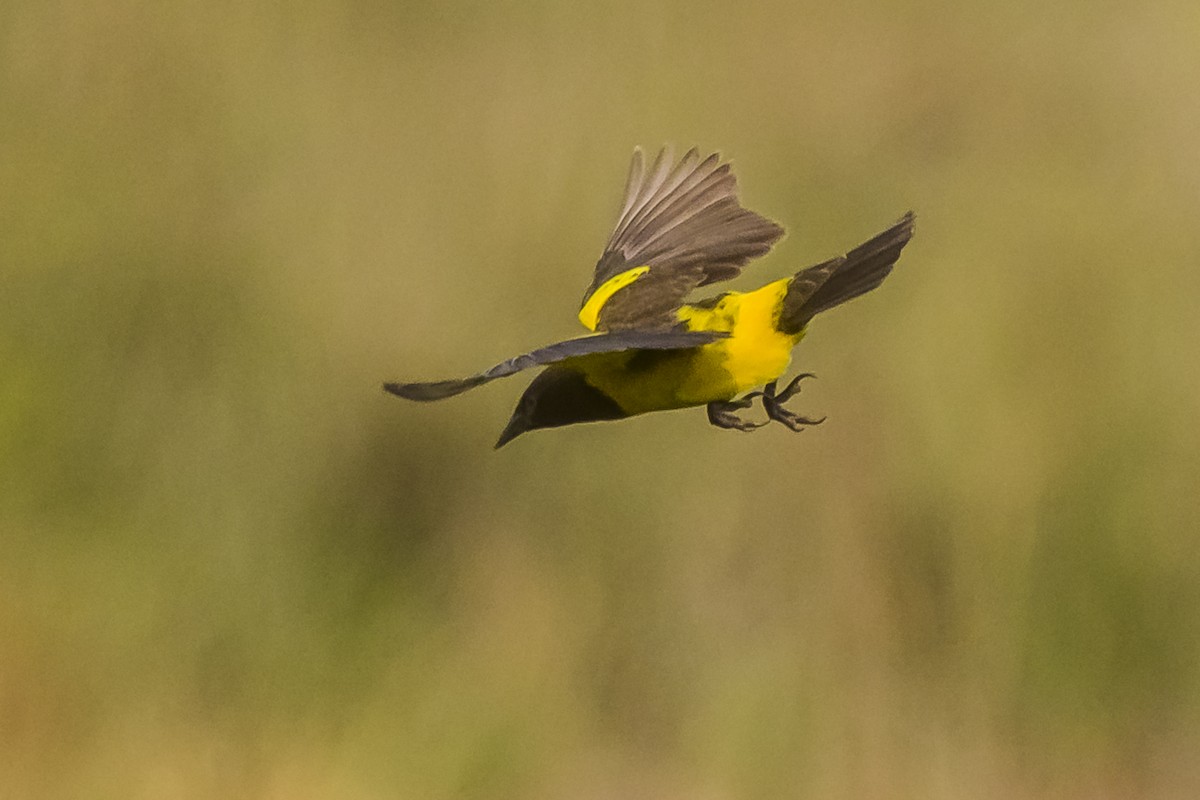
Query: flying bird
pixel 682 227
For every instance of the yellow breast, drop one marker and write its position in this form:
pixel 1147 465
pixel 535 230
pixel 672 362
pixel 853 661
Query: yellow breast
pixel 755 353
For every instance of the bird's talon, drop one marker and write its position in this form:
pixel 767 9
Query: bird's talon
pixel 773 404
pixel 721 414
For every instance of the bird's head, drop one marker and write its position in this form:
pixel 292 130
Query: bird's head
pixel 558 396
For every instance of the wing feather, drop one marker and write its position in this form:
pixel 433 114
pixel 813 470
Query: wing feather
pixel 637 172
pixel 696 193
pixel 680 181
pixel 685 223
pixel 645 194
pixel 560 351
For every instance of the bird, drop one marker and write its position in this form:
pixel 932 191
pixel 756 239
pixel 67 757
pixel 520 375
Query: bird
pixel 682 227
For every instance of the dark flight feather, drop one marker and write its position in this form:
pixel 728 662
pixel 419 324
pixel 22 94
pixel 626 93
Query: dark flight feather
pixel 685 223
pixel 560 351
pixel 832 283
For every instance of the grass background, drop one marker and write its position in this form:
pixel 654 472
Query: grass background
pixel 230 566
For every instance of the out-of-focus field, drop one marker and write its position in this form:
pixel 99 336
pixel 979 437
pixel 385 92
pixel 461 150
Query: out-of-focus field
pixel 231 567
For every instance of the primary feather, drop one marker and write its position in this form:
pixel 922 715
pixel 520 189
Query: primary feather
pixel 552 354
pixel 686 224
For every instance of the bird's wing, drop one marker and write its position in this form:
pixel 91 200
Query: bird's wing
pixel 560 351
pixel 681 226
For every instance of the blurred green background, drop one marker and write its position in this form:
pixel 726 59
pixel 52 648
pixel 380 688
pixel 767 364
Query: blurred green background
pixel 231 566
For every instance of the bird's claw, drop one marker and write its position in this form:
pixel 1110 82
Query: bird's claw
pixel 722 414
pixel 773 403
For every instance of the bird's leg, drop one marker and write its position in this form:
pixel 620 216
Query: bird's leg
pixel 773 403
pixel 722 413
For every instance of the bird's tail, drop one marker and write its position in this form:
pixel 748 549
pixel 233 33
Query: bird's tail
pixel 833 282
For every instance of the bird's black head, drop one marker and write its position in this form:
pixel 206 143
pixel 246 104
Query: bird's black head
pixel 559 396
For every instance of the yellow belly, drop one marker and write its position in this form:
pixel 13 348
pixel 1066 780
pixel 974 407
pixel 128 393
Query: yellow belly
pixel 755 353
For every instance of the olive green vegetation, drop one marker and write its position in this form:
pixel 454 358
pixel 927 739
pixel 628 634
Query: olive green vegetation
pixel 231 566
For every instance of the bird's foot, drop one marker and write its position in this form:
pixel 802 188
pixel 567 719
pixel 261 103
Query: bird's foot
pixel 722 414
pixel 773 403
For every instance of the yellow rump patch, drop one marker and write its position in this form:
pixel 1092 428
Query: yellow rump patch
pixel 589 315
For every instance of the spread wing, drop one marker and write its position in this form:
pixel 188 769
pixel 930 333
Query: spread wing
pixel 681 227
pixel 560 351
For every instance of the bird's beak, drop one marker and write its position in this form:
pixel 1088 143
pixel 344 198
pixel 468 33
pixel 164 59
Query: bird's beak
pixel 515 427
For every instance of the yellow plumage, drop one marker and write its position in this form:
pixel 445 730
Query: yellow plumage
pixel 755 353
